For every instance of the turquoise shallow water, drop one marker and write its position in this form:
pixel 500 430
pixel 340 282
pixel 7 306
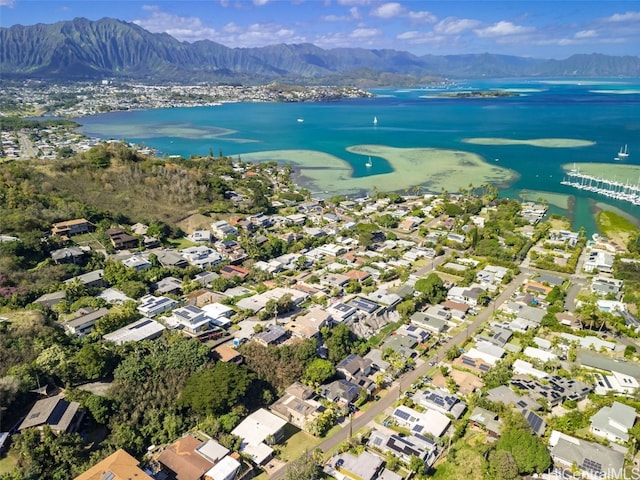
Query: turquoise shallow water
pixel 606 112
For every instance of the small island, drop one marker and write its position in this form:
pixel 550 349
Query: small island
pixel 478 94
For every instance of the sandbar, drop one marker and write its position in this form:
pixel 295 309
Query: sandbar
pixel 618 211
pixel 556 199
pixel 628 91
pixel 434 169
pixel 532 142
pixel 609 171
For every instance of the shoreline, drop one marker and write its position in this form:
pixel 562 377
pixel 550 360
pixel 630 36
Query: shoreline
pixel 433 169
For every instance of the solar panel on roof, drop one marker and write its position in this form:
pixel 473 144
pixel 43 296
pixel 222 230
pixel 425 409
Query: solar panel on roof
pixel 521 403
pixel 417 428
pixel 146 322
pixel 402 414
pixel 484 368
pixel 468 361
pixel 591 465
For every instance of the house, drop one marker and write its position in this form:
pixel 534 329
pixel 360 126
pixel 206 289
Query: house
pixel 507 396
pixel 227 354
pixel 183 461
pixel 201 256
pixel 152 306
pixel 616 382
pixel 309 324
pixel 121 240
pixel 72 227
pixel 537 288
pixel 366 466
pixel 143 329
pixel 377 362
pixel 171 259
pixel 341 391
pixel 190 319
pixel 298 406
pixel 470 295
pixel 420 335
pixel 601 285
pixel 535 422
pixel 273 335
pixel 74 255
pixel 334 280
pixel 441 401
pixel 226 469
pixel 219 314
pixel 353 367
pixel 137 262
pixel 55 412
pixel 554 390
pixel 595 461
pixel 167 285
pixel 599 261
pixel 231 271
pixel 405 447
pixel 520 367
pixel 341 312
pixel 257 428
pixel 84 320
pixel 223 229
pixel 435 325
pixel 429 422
pixel 486 351
pixel 200 236
pixel 614 422
pixel 48 300
pixel 90 280
pixel 538 354
pixel 117 466
pixel 487 420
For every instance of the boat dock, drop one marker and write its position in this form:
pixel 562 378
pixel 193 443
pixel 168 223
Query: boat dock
pixel 626 191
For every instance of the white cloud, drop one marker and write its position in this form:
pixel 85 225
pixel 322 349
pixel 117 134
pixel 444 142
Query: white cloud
pixel 224 3
pixel 259 3
pixel 415 37
pixel 365 33
pixel 151 8
pixel 355 13
pixel 586 34
pixel 388 10
pixel 454 26
pixel 335 18
pixel 182 28
pixel 7 3
pixel 624 17
pixel 502 29
pixel 422 17
pixel 354 2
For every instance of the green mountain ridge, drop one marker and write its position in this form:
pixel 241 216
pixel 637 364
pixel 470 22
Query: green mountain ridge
pixel 81 49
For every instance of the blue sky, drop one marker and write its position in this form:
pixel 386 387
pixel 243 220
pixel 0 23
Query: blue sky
pixel 543 29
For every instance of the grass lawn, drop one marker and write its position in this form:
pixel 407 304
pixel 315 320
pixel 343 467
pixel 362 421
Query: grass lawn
pixel 8 463
pixel 297 443
pixel 181 243
pixel 615 226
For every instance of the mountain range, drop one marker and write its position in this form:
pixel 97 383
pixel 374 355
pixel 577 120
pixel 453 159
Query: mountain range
pixel 81 49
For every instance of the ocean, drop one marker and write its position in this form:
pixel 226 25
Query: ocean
pixel 605 112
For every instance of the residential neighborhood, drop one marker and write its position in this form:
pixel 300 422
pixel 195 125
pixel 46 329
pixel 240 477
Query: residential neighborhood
pixel 313 333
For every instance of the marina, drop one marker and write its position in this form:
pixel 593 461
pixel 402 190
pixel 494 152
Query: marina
pixel 626 192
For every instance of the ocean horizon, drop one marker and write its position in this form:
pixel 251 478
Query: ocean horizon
pixel 405 138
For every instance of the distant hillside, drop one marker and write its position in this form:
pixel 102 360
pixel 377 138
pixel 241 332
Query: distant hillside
pixel 81 49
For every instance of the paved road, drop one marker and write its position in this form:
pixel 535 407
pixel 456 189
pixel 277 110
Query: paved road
pixel 408 378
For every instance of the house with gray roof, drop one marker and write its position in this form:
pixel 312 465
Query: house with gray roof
pixel 273 335
pixel 73 255
pixel 486 420
pixel 90 280
pixel 405 447
pixel 354 366
pixel 440 400
pixel 56 412
pixel 366 466
pixel 614 422
pixel 435 325
pixel 143 329
pixel 595 461
pixel 340 391
pixel 84 320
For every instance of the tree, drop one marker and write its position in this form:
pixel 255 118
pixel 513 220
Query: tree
pixel 529 452
pixel 340 342
pixel 305 467
pixel 93 361
pixel 318 371
pixel 504 465
pixel 406 308
pixel 217 389
pixel 432 288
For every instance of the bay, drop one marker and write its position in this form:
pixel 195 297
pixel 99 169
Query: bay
pixel 604 114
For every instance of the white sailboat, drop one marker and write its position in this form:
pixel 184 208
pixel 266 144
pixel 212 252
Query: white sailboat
pixel 375 120
pixel 623 153
pixel 369 164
